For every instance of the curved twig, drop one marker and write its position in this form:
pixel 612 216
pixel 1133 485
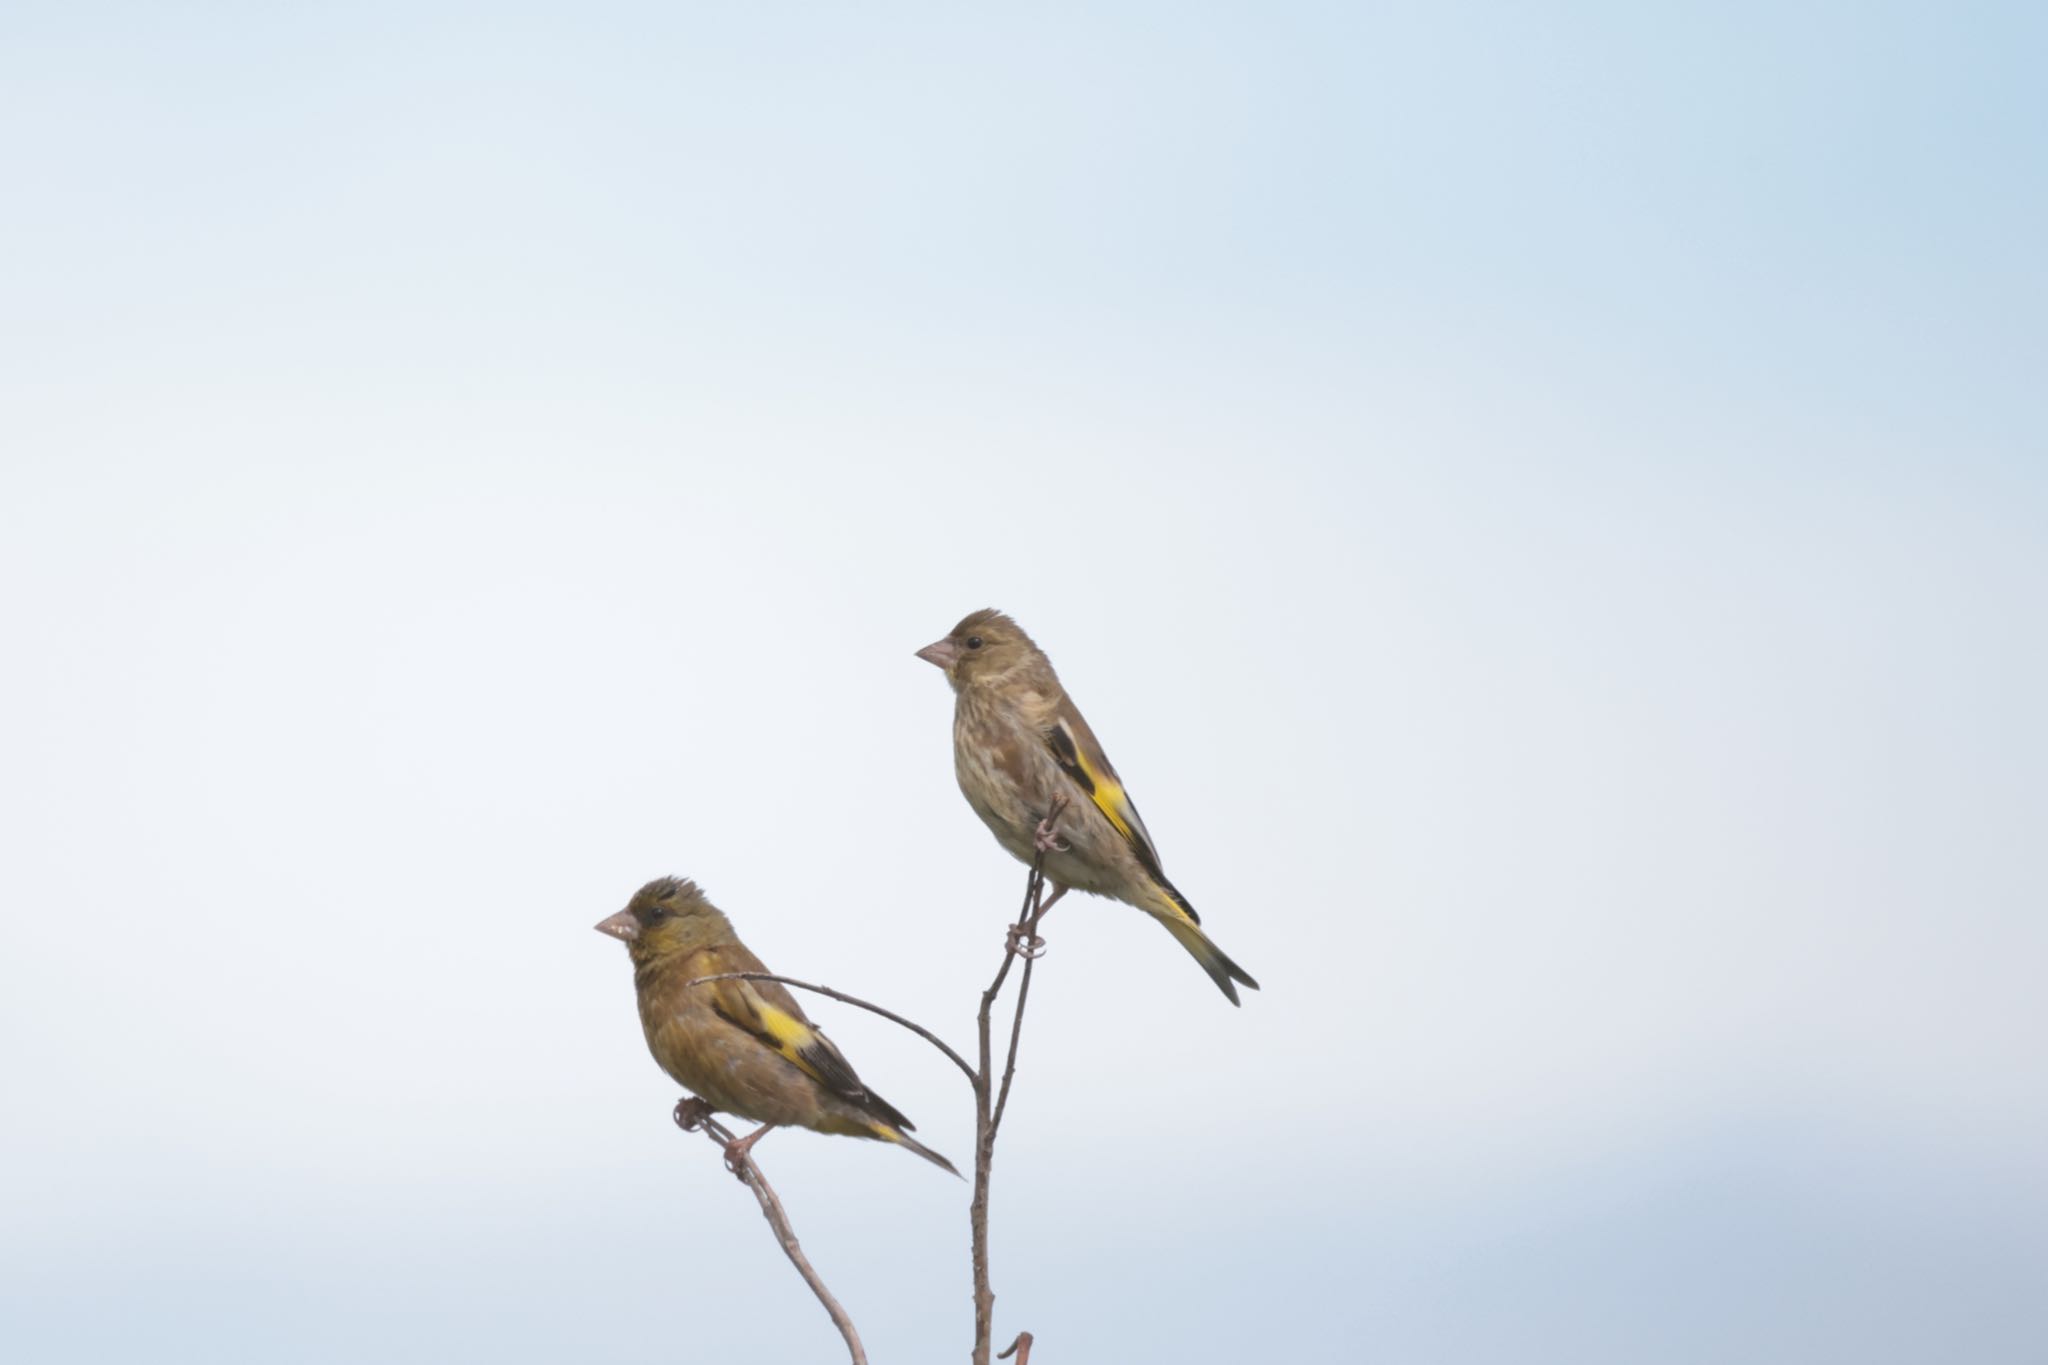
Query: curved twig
pixel 919 1029
pixel 771 1209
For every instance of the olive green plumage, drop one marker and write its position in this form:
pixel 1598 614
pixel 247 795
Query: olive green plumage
pixel 1019 740
pixel 743 1047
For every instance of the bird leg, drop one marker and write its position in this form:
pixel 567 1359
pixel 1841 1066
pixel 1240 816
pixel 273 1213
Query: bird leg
pixel 692 1113
pixel 1046 838
pixel 736 1151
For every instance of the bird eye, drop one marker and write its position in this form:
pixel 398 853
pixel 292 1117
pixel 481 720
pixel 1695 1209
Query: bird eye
pixel 974 642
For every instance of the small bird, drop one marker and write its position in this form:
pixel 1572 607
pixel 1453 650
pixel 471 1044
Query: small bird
pixel 1019 743
pixel 743 1047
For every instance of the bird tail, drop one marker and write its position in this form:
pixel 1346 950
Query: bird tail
pixel 1181 923
pixel 890 1133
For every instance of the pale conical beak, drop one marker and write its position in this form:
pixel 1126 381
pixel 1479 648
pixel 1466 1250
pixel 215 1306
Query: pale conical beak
pixel 619 926
pixel 944 653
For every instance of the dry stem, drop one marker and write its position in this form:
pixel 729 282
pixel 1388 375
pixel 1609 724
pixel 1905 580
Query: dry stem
pixel 771 1209
pixel 987 1116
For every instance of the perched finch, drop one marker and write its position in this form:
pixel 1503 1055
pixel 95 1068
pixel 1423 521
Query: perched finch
pixel 1018 743
pixel 743 1047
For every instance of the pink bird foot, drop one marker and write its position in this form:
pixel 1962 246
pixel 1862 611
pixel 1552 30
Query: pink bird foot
pixel 736 1151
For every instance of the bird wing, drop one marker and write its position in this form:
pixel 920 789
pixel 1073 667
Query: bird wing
pixel 768 1012
pixel 1077 751
pixel 790 1034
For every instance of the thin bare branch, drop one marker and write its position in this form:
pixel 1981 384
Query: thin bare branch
pixel 688 1117
pixel 920 1030
pixel 1035 906
pixel 1030 954
pixel 984 1164
pixel 1034 948
pixel 1023 942
pixel 1021 1348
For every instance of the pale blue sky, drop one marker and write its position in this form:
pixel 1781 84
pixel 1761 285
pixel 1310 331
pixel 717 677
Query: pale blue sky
pixel 1549 512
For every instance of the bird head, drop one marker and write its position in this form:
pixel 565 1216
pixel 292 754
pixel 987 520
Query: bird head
pixel 668 915
pixel 985 646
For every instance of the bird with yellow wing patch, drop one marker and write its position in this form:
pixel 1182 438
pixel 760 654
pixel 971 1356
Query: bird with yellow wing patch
pixel 1019 743
pixel 743 1047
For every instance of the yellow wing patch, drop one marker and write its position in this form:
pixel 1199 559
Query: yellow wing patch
pixel 1095 776
pixel 808 1050
pixel 789 1034
pixel 1111 801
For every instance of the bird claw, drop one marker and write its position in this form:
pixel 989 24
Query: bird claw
pixel 692 1114
pixel 1024 943
pixel 1046 838
pixel 738 1152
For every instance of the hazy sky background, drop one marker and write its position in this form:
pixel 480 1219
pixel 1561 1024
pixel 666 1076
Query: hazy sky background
pixel 1549 511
